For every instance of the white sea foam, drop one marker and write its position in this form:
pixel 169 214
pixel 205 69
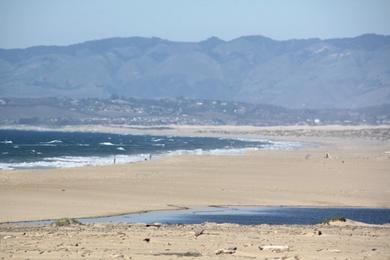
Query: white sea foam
pixel 216 152
pixel 162 145
pixel 7 142
pixel 45 144
pixel 74 161
pixel 121 149
pixel 52 142
pixel 80 161
pixel 273 145
pixel 5 166
pixel 283 145
pixel 106 143
pixel 268 145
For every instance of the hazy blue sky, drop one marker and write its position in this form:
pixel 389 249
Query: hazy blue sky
pixel 47 22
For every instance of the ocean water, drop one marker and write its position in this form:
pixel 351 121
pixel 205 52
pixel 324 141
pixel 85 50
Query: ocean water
pixel 49 149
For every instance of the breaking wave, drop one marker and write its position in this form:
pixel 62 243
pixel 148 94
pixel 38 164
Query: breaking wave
pixel 107 143
pixel 31 149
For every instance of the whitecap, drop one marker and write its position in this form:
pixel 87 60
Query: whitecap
pixel 54 142
pixel 106 143
pixel 80 161
pixel 46 144
pixel 7 142
pixel 162 145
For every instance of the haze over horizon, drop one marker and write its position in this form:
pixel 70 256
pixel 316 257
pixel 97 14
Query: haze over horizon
pixel 172 58
pixel 184 41
pixel 42 22
pixel 335 73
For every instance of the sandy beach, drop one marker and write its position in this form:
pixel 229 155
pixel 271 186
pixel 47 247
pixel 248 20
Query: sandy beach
pixel 356 172
pixel 223 241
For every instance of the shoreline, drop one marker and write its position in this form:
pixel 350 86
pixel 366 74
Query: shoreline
pixel 332 136
pixel 81 161
pixel 165 210
pixel 191 180
pixel 142 157
pixel 64 162
pixel 356 175
pixel 222 131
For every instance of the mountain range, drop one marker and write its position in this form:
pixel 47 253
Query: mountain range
pixel 306 73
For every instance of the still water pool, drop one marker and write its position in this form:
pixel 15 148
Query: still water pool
pixel 251 215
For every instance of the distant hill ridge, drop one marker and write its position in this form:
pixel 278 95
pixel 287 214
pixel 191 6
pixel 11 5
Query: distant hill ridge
pixel 307 73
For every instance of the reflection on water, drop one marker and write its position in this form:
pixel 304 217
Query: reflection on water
pixel 251 215
pixel 245 216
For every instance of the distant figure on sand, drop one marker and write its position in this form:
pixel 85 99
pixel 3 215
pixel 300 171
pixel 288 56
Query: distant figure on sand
pixel 114 159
